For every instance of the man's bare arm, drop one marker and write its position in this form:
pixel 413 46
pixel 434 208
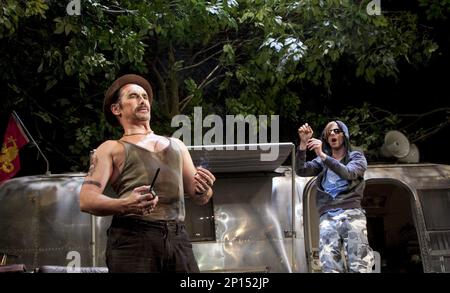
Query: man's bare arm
pixel 92 199
pixel 93 182
pixel 101 170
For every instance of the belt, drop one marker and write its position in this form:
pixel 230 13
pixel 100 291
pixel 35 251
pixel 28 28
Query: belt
pixel 128 222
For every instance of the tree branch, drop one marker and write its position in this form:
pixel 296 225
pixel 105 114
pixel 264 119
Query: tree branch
pixel 206 50
pixel 202 84
pixel 201 62
pixel 213 79
pixel 429 132
pixel 164 69
pixel 183 103
pixel 420 116
pixel 162 86
pixel 426 113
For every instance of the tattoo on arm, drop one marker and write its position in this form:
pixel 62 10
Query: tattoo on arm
pixel 93 163
pixel 93 182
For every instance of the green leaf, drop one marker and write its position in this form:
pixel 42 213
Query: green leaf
pixel 44 116
pixel 50 83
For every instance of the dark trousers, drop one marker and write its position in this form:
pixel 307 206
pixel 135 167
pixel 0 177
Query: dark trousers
pixel 141 246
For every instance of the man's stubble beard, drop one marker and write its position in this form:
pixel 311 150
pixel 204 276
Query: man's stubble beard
pixel 142 117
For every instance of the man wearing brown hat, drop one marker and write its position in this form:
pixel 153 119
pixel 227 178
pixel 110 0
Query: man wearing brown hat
pixel 147 233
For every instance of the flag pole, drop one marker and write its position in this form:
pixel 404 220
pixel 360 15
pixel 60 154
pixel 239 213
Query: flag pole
pixel 34 142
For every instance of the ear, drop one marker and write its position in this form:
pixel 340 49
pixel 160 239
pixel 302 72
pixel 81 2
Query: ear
pixel 116 110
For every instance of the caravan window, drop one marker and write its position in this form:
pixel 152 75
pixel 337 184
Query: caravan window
pixel 436 207
pixel 200 221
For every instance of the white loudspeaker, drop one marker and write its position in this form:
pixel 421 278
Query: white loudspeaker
pixel 395 145
pixel 413 156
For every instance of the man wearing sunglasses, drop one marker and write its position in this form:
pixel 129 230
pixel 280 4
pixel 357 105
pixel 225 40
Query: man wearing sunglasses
pixel 340 188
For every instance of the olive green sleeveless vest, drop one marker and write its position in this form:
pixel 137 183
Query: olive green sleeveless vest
pixel 139 169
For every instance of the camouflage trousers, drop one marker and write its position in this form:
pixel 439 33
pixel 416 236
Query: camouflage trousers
pixel 345 235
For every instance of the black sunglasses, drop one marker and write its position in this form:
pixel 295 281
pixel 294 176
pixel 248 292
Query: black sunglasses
pixel 335 130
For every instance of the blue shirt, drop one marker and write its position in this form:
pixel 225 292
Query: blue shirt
pixel 333 184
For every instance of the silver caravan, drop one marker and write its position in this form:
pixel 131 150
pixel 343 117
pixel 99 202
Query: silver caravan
pixel 262 218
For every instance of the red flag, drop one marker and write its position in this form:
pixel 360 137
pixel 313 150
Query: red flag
pixel 13 140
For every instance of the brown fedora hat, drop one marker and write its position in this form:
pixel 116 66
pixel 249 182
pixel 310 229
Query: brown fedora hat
pixel 111 97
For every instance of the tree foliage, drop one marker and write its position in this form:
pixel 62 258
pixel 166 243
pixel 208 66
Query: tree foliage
pixel 230 57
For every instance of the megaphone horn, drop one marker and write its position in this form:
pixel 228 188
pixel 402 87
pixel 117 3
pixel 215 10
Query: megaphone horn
pixel 395 145
pixel 413 156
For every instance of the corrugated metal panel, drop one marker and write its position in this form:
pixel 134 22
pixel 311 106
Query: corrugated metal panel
pixel 234 160
pixel 41 222
pixel 440 264
pixel 440 241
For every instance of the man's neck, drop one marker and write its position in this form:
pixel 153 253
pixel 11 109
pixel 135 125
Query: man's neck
pixel 139 128
pixel 339 153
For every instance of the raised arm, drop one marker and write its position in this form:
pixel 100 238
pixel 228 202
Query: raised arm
pixel 101 170
pixel 354 169
pixel 304 168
